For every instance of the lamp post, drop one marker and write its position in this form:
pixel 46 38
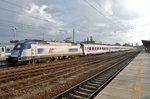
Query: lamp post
pixel 73 35
pixel 15 32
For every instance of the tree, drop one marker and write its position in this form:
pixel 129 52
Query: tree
pixel 118 44
pixel 91 39
pixel 126 44
pixel 87 39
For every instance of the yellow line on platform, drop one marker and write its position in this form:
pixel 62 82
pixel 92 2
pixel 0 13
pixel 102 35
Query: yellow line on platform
pixel 137 86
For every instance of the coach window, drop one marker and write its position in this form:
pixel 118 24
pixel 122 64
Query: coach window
pixel 89 48
pixel 92 48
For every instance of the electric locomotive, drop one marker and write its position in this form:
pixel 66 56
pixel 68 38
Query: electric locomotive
pixel 33 51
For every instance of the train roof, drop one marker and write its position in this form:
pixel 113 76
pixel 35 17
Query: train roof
pixel 32 41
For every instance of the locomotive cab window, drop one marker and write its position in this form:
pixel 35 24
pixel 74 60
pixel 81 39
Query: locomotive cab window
pixel 18 46
pixel 2 49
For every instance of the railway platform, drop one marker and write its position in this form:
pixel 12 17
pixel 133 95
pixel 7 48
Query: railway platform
pixel 132 83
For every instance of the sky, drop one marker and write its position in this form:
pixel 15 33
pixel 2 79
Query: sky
pixel 108 21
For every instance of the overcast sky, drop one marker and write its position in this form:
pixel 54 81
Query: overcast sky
pixel 109 21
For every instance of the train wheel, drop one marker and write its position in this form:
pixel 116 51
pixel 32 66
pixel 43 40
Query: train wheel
pixel 32 62
pixel 44 60
pixel 65 57
pixel 29 62
pixel 48 60
pixel 54 58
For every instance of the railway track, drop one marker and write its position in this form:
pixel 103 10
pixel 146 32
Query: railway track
pixel 4 64
pixel 38 70
pixel 11 69
pixel 22 79
pixel 89 88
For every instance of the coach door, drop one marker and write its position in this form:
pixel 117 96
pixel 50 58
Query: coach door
pixel 2 51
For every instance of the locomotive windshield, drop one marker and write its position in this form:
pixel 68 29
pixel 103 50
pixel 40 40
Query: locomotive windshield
pixel 17 47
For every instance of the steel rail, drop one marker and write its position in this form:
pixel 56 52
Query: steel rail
pixel 90 87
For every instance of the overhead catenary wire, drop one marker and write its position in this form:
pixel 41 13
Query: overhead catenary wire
pixel 37 18
pixel 106 11
pixel 11 23
pixel 22 14
pixel 15 12
pixel 100 13
pixel 14 4
pixel 25 8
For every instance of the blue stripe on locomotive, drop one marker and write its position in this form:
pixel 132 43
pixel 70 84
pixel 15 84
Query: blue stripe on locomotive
pixel 24 43
pixel 73 50
pixel 40 50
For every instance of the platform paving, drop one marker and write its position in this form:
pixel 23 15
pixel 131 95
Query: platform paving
pixel 132 83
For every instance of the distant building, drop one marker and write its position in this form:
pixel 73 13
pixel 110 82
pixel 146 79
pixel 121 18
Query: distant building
pixel 137 44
